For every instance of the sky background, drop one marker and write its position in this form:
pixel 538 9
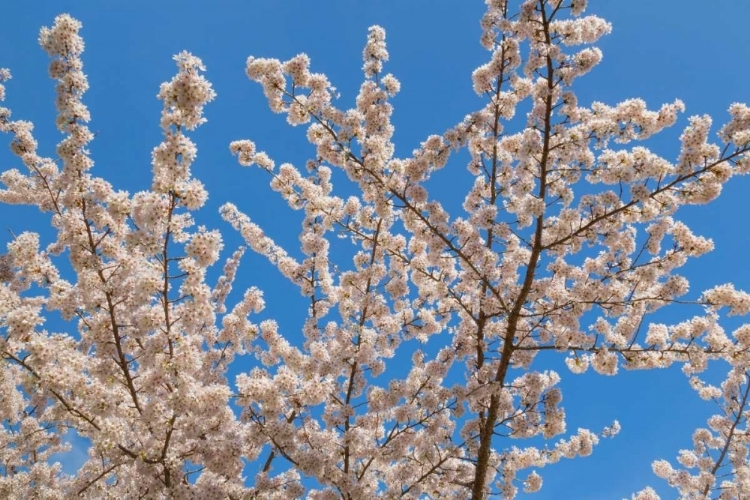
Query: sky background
pixel 659 50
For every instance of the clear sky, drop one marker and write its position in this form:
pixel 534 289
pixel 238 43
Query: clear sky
pixel 659 50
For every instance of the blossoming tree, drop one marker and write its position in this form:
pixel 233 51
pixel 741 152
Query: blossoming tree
pixel 570 242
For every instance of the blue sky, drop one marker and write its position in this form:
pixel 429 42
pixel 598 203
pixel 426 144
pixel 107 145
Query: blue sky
pixel 658 50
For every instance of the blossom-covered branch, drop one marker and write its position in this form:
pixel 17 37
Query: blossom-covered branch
pixel 570 241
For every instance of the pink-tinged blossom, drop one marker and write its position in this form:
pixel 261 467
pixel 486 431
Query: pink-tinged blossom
pixel 646 494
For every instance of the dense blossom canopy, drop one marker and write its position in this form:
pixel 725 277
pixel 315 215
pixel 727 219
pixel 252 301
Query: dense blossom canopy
pixel 570 242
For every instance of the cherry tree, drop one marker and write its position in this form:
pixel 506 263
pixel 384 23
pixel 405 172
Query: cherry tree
pixel 569 242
